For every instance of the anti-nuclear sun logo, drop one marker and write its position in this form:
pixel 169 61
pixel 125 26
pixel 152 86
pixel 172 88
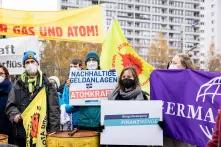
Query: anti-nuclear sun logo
pixel 131 60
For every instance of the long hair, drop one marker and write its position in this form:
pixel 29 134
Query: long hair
pixel 5 70
pixel 134 73
pixel 186 61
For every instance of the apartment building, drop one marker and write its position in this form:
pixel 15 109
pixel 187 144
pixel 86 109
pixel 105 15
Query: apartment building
pixel 210 26
pixel 141 20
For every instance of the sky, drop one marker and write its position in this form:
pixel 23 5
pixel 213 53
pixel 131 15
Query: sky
pixel 31 5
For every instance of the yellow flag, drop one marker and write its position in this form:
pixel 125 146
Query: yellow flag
pixel 35 120
pixel 117 53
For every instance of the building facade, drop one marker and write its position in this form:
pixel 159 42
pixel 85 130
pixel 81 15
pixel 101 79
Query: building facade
pixel 141 20
pixel 210 27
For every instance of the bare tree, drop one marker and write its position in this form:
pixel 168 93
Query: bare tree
pixel 159 53
pixel 214 63
pixel 57 55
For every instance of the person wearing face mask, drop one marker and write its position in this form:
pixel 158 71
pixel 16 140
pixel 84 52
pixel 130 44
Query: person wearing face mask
pixel 55 82
pixel 23 91
pixel 92 61
pixel 181 61
pixel 89 116
pixel 5 86
pixel 69 111
pixel 128 87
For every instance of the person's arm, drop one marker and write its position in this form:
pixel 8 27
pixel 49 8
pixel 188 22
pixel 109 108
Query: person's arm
pixel 11 109
pixel 53 110
pixel 216 134
pixel 65 100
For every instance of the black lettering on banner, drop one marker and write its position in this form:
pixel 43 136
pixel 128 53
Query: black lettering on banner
pixel 11 64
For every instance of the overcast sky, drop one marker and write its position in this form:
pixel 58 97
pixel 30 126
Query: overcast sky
pixel 32 5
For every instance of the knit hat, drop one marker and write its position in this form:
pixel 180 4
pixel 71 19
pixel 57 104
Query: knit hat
pixel 55 79
pixel 92 54
pixel 29 55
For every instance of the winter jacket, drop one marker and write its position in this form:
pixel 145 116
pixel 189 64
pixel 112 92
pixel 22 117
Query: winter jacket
pixel 73 110
pixel 20 98
pixel 89 117
pixel 216 138
pixel 5 125
pixel 85 117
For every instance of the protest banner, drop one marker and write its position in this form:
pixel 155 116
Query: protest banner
pixel 12 49
pixel 88 87
pixel 131 122
pixel 191 102
pixel 117 54
pixel 85 24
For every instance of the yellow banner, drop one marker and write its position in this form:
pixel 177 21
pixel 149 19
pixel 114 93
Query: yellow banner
pixel 117 53
pixel 35 120
pixel 85 24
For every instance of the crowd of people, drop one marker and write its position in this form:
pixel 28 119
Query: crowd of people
pixel 61 115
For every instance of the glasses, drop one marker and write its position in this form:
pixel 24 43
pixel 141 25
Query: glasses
pixel 1 73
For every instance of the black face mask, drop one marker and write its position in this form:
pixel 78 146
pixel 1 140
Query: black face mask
pixel 127 83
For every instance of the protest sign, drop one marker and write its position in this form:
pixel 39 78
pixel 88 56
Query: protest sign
pixel 88 87
pixel 131 122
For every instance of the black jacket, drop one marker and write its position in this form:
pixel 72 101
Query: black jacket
pixel 20 98
pixel 5 87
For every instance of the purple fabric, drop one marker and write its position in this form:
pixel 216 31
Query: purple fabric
pixel 191 101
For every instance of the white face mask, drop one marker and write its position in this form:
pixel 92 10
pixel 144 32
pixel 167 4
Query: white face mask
pixel 92 65
pixel 2 79
pixel 31 68
pixel 172 66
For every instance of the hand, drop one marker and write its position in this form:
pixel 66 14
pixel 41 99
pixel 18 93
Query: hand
pixel 68 82
pixel 112 70
pixel 161 124
pixel 17 118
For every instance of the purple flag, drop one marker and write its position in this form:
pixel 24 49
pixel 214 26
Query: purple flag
pixel 191 101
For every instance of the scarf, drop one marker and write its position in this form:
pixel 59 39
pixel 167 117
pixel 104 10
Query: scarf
pixel 135 94
pixel 32 81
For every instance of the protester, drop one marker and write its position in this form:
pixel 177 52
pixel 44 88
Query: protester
pixel 89 117
pixel 56 84
pixel 5 86
pixel 216 138
pixel 181 61
pixel 69 111
pixel 128 87
pixel 54 81
pixel 24 89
